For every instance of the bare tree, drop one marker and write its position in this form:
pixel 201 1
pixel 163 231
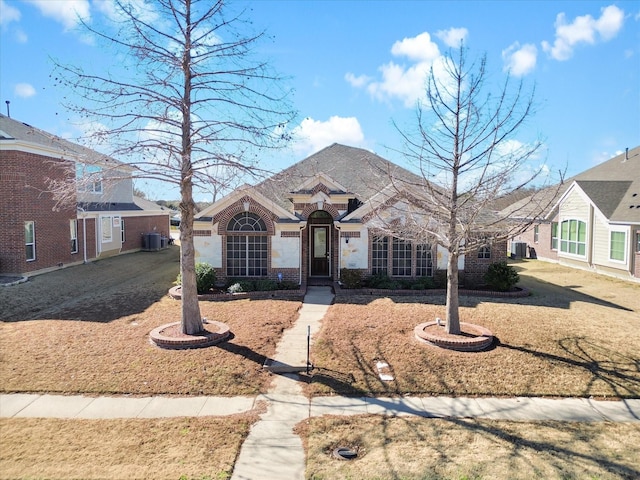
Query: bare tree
pixel 186 101
pixel 463 147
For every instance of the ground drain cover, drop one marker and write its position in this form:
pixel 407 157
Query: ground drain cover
pixel 344 453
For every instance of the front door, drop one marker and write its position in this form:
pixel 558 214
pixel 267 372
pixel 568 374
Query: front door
pixel 319 250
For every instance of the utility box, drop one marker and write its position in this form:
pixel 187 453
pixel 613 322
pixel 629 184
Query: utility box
pixel 518 249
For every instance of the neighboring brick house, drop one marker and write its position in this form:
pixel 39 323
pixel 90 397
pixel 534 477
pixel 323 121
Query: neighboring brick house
pixel 36 234
pixel 594 223
pixel 314 219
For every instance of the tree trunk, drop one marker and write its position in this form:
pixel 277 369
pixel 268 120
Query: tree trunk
pixel 191 321
pixel 452 305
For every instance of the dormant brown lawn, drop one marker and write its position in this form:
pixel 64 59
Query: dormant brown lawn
pixel 576 336
pixel 430 449
pixel 122 449
pixel 117 358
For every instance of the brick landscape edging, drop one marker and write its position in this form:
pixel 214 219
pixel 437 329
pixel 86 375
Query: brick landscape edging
pixel 346 292
pixel 176 294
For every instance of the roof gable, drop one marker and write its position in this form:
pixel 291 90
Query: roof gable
pixel 354 170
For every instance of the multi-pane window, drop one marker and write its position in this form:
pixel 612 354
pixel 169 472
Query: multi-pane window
pixel 397 257
pixel 484 252
pixel 617 246
pixel 73 232
pixel 554 235
pixel 401 258
pixel 89 178
pixel 638 242
pixel 424 261
pixel 536 233
pixel 30 240
pixel 573 234
pixel 247 255
pixel 379 255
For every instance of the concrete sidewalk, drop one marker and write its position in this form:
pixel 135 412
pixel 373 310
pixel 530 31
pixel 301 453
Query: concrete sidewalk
pixel 22 405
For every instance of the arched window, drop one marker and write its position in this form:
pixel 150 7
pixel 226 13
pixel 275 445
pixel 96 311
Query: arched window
pixel 247 253
pixel 246 222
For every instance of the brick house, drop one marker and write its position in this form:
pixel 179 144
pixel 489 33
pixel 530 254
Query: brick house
pixel 594 223
pixel 36 234
pixel 314 219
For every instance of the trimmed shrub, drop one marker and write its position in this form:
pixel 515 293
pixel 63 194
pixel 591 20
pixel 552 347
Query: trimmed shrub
pixel 423 283
pixel 288 285
pixel 205 278
pixel 266 285
pixel 501 276
pixel 382 281
pixel 351 278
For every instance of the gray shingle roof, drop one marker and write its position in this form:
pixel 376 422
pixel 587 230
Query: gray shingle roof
pixel 613 186
pixel 11 129
pixel 360 171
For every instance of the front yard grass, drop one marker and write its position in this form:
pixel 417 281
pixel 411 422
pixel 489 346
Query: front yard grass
pixel 117 358
pixel 575 336
pixel 202 448
pixel 429 449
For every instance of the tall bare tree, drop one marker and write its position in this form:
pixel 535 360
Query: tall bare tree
pixel 464 149
pixel 187 100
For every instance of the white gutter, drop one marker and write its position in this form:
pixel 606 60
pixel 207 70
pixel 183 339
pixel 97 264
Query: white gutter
pixel 300 259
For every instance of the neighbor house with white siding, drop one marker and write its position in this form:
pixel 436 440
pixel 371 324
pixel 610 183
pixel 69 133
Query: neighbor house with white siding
pixel 595 222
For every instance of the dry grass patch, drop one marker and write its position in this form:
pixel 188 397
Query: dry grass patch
pixel 418 448
pixel 576 338
pixel 199 448
pixel 116 357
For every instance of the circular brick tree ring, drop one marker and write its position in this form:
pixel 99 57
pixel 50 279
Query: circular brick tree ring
pixel 170 335
pixel 473 338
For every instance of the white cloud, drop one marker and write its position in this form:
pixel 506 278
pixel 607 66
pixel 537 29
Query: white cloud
pixel 520 60
pixel 66 12
pixel 24 90
pixel 141 9
pixel 312 135
pixel 583 30
pixel 357 82
pixel 405 82
pixel 419 48
pixel 453 36
pixel 8 14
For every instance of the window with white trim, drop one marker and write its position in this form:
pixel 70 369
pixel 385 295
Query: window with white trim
pixel 30 240
pixel 573 235
pixel 247 254
pixel 106 229
pixel 89 178
pixel 122 235
pixel 484 252
pixel 73 233
pixel 638 242
pixel 617 246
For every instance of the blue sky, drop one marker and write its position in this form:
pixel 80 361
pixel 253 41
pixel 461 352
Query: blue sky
pixel 357 66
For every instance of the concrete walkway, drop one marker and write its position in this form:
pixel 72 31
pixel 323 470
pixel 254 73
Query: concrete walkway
pixel 272 450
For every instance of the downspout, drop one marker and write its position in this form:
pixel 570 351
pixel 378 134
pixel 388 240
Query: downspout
pixel 84 233
pixel 300 259
pixel 337 225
